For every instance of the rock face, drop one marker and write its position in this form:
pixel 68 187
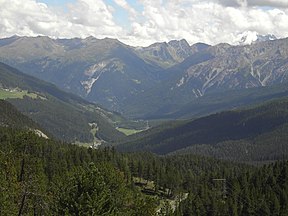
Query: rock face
pixel 240 67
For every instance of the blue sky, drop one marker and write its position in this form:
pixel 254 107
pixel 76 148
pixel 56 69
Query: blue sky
pixel 121 16
pixel 57 3
pixel 142 22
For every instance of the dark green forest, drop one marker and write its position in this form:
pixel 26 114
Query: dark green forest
pixel 11 117
pixel 44 177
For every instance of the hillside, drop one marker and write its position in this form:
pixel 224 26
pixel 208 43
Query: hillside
pixel 258 133
pixel 63 115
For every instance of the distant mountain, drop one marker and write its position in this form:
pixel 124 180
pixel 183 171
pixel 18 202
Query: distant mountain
pixel 144 82
pixel 239 67
pixel 65 116
pixel 259 133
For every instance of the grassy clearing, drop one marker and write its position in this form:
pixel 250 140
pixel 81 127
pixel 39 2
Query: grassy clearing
pixel 5 94
pixel 127 131
pixel 95 142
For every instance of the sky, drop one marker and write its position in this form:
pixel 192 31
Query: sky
pixel 143 22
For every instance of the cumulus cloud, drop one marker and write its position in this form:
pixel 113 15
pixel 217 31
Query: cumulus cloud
pixel 209 21
pixel 92 17
pixel 31 18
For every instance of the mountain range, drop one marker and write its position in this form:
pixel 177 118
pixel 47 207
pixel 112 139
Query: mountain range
pixel 141 82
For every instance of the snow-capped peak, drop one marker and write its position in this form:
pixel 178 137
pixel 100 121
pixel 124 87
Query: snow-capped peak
pixel 250 37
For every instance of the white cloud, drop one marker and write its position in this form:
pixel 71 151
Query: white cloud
pixel 92 17
pixel 84 18
pixel 209 21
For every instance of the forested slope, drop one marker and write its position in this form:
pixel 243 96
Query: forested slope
pixel 11 117
pixel 250 134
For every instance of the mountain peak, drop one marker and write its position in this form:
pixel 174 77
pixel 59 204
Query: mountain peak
pixel 166 54
pixel 178 42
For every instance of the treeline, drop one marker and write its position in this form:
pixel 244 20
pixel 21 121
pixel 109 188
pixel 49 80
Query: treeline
pixel 44 177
